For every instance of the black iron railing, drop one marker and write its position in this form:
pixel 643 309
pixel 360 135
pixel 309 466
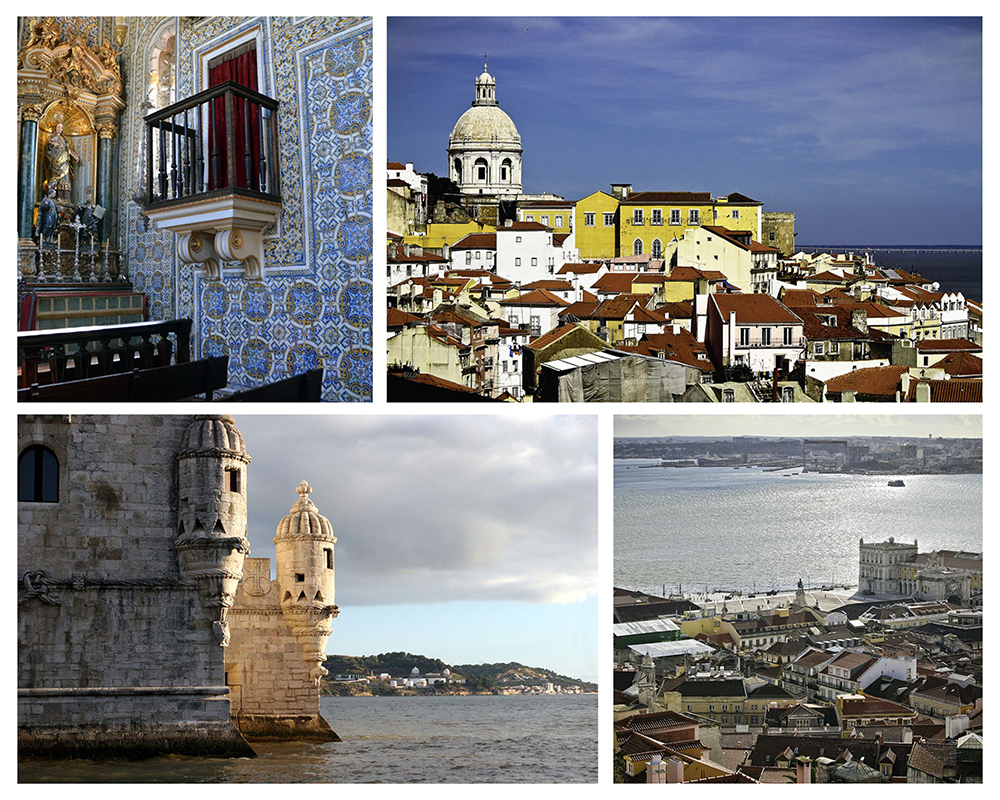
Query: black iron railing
pixel 220 141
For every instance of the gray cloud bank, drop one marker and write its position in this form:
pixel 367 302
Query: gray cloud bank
pixel 436 508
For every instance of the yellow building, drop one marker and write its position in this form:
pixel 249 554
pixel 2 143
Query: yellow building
pixel 738 213
pixel 649 221
pixel 555 214
pixel 446 233
pixel 597 226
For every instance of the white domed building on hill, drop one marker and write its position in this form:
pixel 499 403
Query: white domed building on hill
pixel 484 149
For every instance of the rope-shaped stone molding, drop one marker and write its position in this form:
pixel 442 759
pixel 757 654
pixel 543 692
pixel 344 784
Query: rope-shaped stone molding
pixel 37 583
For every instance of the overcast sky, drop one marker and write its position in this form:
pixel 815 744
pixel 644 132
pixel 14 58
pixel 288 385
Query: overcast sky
pixel 468 538
pixel 870 129
pixel 959 425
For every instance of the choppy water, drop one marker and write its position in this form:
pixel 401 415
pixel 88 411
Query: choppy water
pixel 731 529
pixel 543 739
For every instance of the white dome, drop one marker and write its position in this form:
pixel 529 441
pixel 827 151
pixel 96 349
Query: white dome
pixel 484 124
pixel 414 671
pixel 486 78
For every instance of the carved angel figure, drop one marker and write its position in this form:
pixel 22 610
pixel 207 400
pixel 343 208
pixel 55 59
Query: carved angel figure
pixel 108 58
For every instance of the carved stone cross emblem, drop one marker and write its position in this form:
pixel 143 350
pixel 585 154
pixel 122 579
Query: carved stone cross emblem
pixel 257 576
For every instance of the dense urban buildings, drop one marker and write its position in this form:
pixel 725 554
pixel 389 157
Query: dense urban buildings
pixel 682 296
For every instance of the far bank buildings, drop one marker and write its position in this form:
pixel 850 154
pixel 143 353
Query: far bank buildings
pixel 144 626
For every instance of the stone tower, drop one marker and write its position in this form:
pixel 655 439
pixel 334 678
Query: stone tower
pixel 304 565
pixel 212 512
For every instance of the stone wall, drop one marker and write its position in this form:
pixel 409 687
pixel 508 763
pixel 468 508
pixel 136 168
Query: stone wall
pixel 116 653
pixel 782 225
pixel 272 693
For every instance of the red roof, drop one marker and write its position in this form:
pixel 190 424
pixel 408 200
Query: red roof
pixel 395 165
pixel 680 198
pixel 536 297
pixel 948 346
pixel 580 269
pixel 396 317
pixel 615 282
pixel 876 381
pixel 476 241
pixel 523 226
pixel 753 308
pixel 961 365
pixel 556 333
pixel 956 390
pixel 551 284
pixel 682 347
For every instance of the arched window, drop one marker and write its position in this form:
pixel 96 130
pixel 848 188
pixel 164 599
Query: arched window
pixel 637 247
pixel 506 171
pixel 38 475
pixel 482 171
pixel 458 170
pixel 657 248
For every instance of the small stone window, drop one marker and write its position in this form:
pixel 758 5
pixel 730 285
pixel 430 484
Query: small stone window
pixel 300 577
pixel 328 552
pixel 233 480
pixel 38 475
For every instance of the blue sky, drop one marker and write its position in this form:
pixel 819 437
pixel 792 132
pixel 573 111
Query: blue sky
pixel 468 538
pixel 869 129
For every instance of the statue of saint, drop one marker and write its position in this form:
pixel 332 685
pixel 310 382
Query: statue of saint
pixel 48 216
pixel 60 155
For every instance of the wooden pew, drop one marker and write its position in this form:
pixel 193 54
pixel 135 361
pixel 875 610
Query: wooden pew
pixel 304 388
pixel 159 384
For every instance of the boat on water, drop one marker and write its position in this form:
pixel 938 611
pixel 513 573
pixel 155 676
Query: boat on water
pixel 897 482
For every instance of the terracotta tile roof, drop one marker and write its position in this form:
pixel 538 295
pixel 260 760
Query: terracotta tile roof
pixel 815 325
pixel 956 390
pixel 579 269
pixel 679 310
pixel 559 238
pixel 442 336
pixel 580 309
pixel 679 198
pixel 615 308
pixel 396 183
pixel 587 297
pixel 875 381
pixel 948 346
pixel 757 247
pixel 441 383
pixel 728 235
pixel 536 297
pixel 740 199
pixel 753 308
pixel 401 257
pixel 682 347
pixel 395 165
pixel 524 226
pixel 615 282
pixel 650 277
pixel 876 707
pixel 396 317
pixel 829 277
pixel 686 274
pixel 714 275
pixel 546 203
pixel 556 333
pixel 476 241
pixel 553 285
pixel 394 236
pixel 796 298
pixel 961 365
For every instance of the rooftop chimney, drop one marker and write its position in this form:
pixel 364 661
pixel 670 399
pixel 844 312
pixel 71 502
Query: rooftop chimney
pixel 675 771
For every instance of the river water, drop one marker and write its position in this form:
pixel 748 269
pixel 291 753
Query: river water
pixel 517 738
pixel 741 529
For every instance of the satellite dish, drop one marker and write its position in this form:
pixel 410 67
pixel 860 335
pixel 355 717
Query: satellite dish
pixel 935 286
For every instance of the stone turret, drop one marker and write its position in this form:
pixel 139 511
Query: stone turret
pixel 212 512
pixel 304 562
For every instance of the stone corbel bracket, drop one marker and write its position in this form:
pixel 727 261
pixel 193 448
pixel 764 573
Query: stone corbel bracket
pixel 214 230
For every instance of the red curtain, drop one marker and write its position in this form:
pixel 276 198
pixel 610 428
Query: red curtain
pixel 243 70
